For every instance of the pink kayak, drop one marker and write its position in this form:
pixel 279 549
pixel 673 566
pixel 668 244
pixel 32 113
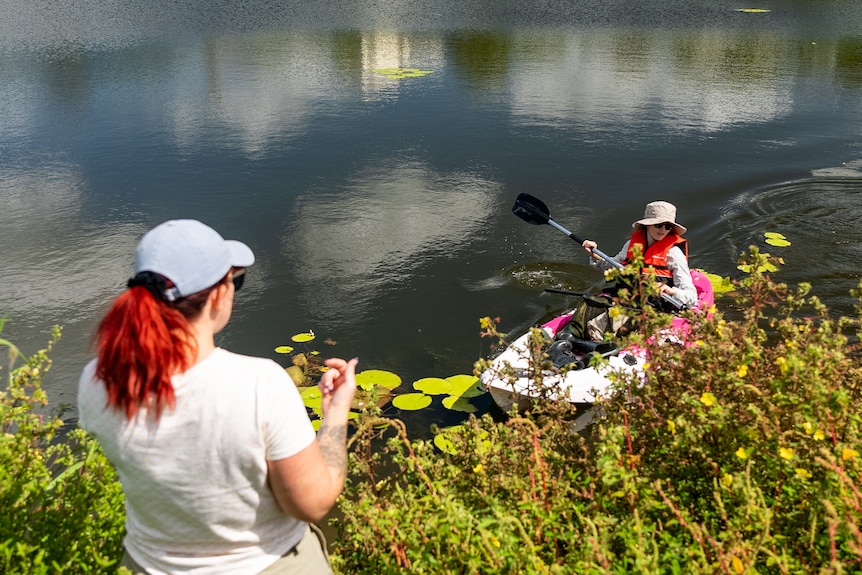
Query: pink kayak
pixel 510 381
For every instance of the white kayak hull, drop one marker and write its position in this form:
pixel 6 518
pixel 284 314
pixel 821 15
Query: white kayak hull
pixel 510 381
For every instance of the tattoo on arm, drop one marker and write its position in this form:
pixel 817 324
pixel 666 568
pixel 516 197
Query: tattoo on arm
pixel 333 446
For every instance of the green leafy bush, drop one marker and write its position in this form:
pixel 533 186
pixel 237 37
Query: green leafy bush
pixel 737 452
pixel 61 505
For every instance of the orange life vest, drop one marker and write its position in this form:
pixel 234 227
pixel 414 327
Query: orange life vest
pixel 655 256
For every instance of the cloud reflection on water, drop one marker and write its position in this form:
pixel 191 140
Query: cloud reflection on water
pixel 605 78
pixel 389 222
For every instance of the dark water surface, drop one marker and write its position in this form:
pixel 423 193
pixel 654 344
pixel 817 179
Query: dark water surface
pixel 379 209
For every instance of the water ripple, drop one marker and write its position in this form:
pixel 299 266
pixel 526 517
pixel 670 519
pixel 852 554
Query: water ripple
pixel 823 211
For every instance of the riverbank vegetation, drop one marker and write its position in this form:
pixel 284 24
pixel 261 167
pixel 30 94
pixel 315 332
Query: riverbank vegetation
pixel 61 506
pixel 738 453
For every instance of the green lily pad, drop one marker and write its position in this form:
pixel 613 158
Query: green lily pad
pixel 775 235
pixel 433 386
pixel 753 10
pixel 303 337
pixel 466 386
pixel 764 268
pixel 456 403
pixel 283 349
pixel 370 377
pixel 719 284
pixel 311 397
pixel 399 73
pixel 777 242
pixel 445 444
pixel 412 401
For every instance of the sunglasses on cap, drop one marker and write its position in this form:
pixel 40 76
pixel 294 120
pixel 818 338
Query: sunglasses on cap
pixel 666 225
pixel 238 278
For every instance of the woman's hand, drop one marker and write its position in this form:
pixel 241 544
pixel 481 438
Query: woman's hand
pixel 338 384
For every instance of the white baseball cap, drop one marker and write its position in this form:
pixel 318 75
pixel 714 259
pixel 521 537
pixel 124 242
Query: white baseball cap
pixel 192 255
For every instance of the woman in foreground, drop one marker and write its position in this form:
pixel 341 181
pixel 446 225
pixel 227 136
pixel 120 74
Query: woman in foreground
pixel 220 466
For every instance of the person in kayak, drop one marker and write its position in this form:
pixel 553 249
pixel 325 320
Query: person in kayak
pixel 665 251
pixel 220 466
pixel 665 254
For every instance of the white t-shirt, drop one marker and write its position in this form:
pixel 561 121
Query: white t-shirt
pixel 195 481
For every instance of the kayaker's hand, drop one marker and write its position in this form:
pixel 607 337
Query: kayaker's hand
pixel 589 246
pixel 663 288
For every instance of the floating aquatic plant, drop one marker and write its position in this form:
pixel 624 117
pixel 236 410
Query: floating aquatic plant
pixel 399 73
pixel 466 385
pixel 767 267
pixel 411 401
pixel 776 239
pixel 312 398
pixel 303 337
pixel 753 10
pixel 370 378
pixel 720 284
pixel 433 386
pixel 456 403
pixel 284 349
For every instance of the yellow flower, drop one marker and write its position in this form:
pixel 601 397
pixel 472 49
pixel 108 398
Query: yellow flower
pixel 479 469
pixel 671 426
pixel 809 429
pixel 711 309
pixel 738 567
pixel 742 370
pixel 647 365
pixel 699 343
pixel 495 542
pixel 727 480
pixel 803 473
pixel 707 399
pixel 782 365
pixel 819 435
pixel 614 312
pixel 848 453
pixel 742 453
pixel 785 453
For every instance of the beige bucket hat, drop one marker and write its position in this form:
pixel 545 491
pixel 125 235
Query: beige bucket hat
pixel 658 213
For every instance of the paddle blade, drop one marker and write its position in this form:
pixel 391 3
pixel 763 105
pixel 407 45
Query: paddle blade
pixel 531 209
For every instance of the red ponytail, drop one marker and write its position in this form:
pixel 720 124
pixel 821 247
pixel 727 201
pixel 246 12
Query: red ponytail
pixel 141 343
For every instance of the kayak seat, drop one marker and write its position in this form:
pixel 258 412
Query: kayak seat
pixel 602 348
pixel 561 353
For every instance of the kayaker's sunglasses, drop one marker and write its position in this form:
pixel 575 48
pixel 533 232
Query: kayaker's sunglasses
pixel 666 225
pixel 238 278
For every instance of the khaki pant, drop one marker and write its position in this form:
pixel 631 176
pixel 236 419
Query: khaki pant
pixel 603 323
pixel 309 557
